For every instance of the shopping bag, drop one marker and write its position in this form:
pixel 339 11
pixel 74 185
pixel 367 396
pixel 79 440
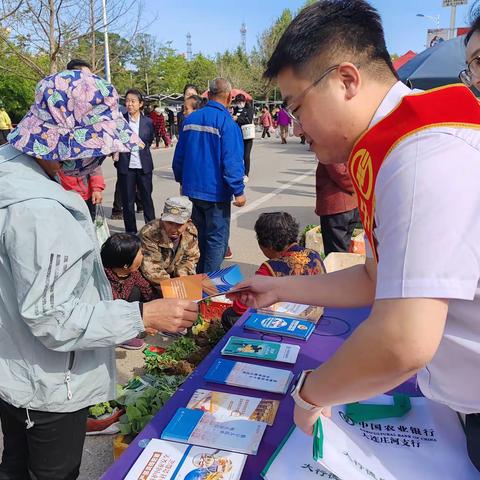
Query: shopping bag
pixel 427 443
pixel 248 131
pixel 101 225
pixel 271 130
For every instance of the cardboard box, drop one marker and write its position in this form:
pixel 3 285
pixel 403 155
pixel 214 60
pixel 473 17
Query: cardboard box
pixel 338 261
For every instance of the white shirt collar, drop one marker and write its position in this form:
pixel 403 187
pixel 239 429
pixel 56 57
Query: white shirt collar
pixel 391 100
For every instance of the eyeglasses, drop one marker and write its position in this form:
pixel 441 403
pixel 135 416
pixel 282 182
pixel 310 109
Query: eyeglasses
pixel 472 70
pixel 289 108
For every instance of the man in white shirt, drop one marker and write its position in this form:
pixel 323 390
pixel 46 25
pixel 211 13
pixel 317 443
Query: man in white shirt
pixel 423 207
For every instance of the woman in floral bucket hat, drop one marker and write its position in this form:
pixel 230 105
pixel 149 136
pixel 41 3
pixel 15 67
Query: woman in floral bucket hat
pixel 58 321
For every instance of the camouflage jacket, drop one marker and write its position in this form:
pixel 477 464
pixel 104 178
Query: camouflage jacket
pixel 160 259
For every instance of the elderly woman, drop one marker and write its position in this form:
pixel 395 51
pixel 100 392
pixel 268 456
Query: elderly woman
pixel 58 321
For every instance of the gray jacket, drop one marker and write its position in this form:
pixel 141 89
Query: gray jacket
pixel 58 322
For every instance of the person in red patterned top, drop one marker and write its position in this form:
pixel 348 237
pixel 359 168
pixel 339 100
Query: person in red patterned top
pixel 90 188
pixel 159 126
pixel 121 257
pixel 277 235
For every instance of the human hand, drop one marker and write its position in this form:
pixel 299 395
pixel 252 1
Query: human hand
pixel 240 201
pixel 169 315
pixel 97 198
pixel 305 419
pixel 258 291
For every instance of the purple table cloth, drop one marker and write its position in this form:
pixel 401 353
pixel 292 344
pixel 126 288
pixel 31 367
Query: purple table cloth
pixel 335 326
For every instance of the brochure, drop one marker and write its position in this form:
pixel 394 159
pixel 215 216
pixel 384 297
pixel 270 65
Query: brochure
pixel 261 350
pixel 277 325
pixel 311 313
pixel 225 406
pixel 203 429
pixel 203 285
pixel 293 459
pixel 246 375
pixel 175 461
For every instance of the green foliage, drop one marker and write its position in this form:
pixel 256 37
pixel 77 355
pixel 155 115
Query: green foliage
pixel 200 71
pixel 179 351
pixel 100 409
pixel 142 405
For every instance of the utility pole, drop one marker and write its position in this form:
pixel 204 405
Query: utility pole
pixel 453 4
pixel 453 15
pixel 107 50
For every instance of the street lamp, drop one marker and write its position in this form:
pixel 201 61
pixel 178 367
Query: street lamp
pixel 435 19
pixel 107 50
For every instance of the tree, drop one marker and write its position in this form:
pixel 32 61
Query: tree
pixel 53 27
pixel 267 43
pixel 200 71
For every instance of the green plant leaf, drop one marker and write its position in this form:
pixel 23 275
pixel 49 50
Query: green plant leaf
pixel 133 413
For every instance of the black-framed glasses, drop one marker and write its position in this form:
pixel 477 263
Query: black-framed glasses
pixel 289 108
pixel 472 70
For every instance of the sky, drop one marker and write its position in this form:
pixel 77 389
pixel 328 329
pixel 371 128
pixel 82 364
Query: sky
pixel 215 24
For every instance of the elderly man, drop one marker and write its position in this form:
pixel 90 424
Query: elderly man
pixel 208 163
pixel 170 244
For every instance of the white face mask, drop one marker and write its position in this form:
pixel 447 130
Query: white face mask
pixel 241 104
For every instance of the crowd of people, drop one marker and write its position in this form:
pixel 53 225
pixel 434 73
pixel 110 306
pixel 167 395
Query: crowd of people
pixel 65 303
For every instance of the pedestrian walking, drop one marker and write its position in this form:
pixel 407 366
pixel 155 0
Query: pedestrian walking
pixel 266 121
pixel 243 115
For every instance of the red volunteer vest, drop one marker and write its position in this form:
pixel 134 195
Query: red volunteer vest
pixel 452 106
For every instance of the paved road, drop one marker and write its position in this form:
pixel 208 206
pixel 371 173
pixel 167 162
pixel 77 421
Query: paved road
pixel 282 178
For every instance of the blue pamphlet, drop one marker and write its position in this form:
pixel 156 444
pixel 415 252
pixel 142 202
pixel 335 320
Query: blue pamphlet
pixel 284 326
pixel 247 375
pixel 204 429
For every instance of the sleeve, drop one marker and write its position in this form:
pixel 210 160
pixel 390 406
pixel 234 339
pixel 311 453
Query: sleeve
pixel 152 265
pixel 52 273
pixel 97 182
pixel 339 174
pixel 428 202
pixel 232 157
pixel 190 258
pixel 178 158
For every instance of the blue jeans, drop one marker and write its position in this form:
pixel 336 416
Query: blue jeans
pixel 212 220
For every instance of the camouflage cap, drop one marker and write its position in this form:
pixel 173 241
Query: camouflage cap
pixel 177 209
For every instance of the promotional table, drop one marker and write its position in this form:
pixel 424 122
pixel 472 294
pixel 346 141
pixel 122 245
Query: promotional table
pixel 335 326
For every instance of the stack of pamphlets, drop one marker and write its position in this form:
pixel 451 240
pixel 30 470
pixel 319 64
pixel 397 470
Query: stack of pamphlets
pixel 261 350
pixel 175 461
pixel 239 374
pixel 297 310
pixel 200 428
pixel 225 406
pixel 282 326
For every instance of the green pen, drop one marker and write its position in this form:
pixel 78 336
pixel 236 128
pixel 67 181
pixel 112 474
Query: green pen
pixel 318 440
